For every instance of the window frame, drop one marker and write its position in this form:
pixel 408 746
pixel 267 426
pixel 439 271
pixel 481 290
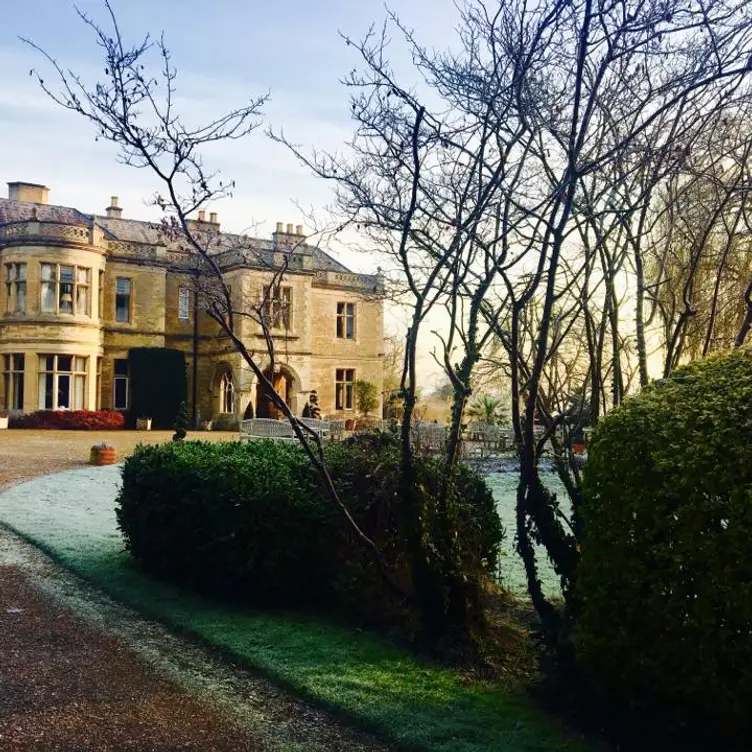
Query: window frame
pixel 129 320
pixel 14 283
pixel 227 390
pixel 57 285
pixel 184 303
pixel 14 376
pixel 344 389
pixel 74 376
pixel 343 317
pixel 120 377
pixel 100 294
pixel 275 307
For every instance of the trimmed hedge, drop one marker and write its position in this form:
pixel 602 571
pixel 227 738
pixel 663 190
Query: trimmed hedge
pixel 665 581
pixel 251 522
pixel 158 385
pixel 70 420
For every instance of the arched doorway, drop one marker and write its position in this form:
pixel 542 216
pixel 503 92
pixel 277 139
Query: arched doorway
pixel 284 383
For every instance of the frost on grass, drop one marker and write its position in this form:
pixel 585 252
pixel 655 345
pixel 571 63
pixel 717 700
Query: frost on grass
pixel 67 511
pixel 74 511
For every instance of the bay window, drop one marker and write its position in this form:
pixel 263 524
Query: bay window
pixel 66 289
pixel 62 382
pixel 15 288
pixel 13 381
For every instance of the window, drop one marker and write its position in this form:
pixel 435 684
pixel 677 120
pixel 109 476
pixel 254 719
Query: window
pixel 98 397
pixel 100 299
pixel 62 382
pixel 226 394
pixel 184 303
pixel 120 385
pixel 278 307
pixel 344 389
pixel 13 381
pixel 83 285
pixel 346 320
pixel 65 289
pixel 15 287
pixel 123 300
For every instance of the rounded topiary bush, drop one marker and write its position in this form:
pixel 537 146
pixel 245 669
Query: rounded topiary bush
pixel 231 519
pixel 665 580
pixel 252 522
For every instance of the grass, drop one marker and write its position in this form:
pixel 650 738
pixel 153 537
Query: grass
pixel 359 677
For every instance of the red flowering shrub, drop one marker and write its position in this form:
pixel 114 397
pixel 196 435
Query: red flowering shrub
pixel 70 420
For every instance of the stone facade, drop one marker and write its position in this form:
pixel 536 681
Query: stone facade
pixel 79 291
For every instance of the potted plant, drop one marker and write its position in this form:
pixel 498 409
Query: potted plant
pixel 3 420
pixel 103 454
pixel 143 424
pixel 367 396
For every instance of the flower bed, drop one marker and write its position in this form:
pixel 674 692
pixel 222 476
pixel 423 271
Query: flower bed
pixel 71 420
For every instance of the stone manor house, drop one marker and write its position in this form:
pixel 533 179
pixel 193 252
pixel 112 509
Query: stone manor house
pixel 79 290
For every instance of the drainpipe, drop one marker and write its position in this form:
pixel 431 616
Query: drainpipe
pixel 195 361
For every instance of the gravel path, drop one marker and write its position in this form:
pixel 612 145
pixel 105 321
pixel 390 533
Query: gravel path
pixel 79 671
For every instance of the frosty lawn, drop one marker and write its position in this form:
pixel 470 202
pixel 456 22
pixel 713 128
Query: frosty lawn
pixel 71 515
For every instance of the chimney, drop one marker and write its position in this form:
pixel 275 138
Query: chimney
pixel 201 215
pixel 113 210
pixel 280 227
pixel 299 229
pixel 31 192
pixel 213 217
pixel 289 229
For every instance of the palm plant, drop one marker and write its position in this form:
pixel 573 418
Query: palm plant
pixel 487 409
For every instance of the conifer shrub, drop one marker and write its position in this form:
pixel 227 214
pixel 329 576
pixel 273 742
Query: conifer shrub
pixel 665 580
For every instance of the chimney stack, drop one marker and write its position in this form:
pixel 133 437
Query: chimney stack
pixel 113 210
pixel 280 227
pixel 289 229
pixel 299 229
pixel 31 192
pixel 213 217
pixel 201 215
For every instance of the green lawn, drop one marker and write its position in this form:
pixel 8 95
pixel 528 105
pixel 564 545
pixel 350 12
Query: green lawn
pixel 358 676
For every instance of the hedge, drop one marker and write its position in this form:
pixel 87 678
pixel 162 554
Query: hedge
pixel 158 385
pixel 70 420
pixel 665 581
pixel 251 522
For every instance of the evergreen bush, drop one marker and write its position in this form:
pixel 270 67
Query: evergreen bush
pixel 665 581
pixel 251 521
pixel 158 385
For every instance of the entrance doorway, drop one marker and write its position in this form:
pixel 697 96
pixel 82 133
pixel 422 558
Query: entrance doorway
pixel 282 381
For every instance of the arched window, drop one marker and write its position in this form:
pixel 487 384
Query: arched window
pixel 226 394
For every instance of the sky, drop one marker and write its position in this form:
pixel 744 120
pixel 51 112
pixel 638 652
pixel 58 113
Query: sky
pixel 226 52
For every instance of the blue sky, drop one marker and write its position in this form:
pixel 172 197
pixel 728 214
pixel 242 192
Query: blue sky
pixel 226 52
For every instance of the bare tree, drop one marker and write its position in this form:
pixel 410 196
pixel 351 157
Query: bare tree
pixel 515 198
pixel 136 110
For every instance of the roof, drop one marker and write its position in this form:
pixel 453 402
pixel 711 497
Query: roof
pixel 149 233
